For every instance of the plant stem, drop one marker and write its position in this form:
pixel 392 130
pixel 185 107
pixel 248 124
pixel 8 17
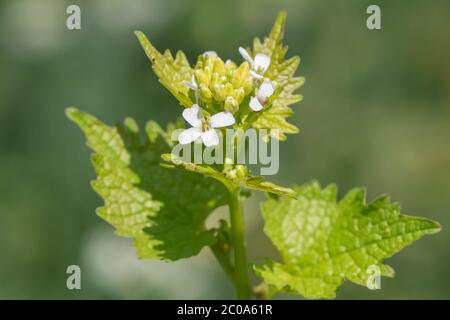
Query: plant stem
pixel 241 278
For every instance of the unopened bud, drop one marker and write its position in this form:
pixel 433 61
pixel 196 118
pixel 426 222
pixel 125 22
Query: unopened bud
pixel 231 105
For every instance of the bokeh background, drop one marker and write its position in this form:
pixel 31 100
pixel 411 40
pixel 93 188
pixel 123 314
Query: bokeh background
pixel 376 113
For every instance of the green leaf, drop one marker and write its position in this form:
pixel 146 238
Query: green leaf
pixel 237 177
pixel 171 72
pixel 282 74
pixel 322 242
pixel 163 210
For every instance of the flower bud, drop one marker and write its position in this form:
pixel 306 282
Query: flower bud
pixel 219 92
pixel 247 85
pixel 240 74
pixel 241 171
pixel 202 78
pixel 206 94
pixel 231 105
pixel 239 95
pixel 229 90
pixel 219 66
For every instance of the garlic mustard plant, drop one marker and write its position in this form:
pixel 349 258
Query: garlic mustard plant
pixel 162 201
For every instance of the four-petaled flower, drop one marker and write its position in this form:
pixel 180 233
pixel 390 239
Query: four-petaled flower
pixel 259 65
pixel 264 92
pixel 204 129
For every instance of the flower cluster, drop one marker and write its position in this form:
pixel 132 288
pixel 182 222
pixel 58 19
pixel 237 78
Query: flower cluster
pixel 221 90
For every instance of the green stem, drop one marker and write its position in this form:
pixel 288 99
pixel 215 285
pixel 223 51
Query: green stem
pixel 241 278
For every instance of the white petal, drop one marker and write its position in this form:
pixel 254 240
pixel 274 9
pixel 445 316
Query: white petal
pixel 210 138
pixel 261 63
pixel 193 84
pixel 193 116
pixel 210 54
pixel 256 75
pixel 222 119
pixel 190 85
pixel 189 135
pixel 255 105
pixel 245 55
pixel 265 91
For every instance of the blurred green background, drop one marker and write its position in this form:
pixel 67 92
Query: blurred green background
pixel 376 113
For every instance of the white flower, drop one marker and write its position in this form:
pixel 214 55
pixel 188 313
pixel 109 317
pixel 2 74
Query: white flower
pixel 263 93
pixel 192 85
pixel 209 136
pixel 259 65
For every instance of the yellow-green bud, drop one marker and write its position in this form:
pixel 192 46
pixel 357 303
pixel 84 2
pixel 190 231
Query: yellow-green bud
pixel 240 74
pixel 206 94
pixel 219 66
pixel 231 105
pixel 215 79
pixel 219 92
pixel 202 78
pixel 239 95
pixel 241 171
pixel 247 85
pixel 229 90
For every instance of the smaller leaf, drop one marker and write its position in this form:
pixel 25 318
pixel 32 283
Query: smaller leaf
pixel 238 177
pixel 171 72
